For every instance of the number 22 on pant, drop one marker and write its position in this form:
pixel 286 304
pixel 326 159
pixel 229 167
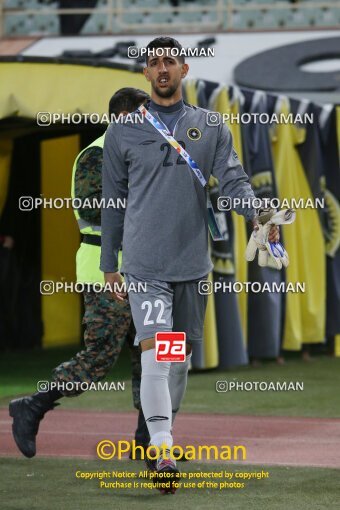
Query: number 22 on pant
pixel 158 304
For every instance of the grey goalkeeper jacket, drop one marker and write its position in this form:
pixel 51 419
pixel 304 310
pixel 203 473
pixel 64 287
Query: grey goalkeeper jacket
pixel 164 228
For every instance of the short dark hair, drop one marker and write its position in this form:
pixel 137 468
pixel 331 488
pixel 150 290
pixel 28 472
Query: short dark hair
pixel 127 99
pixel 165 42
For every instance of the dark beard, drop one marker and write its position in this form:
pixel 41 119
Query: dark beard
pixel 165 93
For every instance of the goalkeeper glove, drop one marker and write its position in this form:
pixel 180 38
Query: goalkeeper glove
pixel 270 254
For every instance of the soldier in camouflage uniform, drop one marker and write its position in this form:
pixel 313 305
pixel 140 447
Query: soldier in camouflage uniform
pixel 107 323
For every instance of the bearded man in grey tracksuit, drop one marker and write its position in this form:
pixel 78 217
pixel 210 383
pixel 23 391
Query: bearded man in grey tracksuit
pixel 164 228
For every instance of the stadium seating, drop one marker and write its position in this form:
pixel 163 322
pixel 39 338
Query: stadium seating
pixel 280 18
pixel 14 4
pixel 244 20
pixel 329 16
pixel 144 14
pixel 96 24
pixel 16 25
pixel 23 24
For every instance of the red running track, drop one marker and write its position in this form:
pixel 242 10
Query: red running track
pixel 268 440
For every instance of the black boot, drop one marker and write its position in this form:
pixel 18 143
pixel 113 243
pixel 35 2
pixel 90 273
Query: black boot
pixel 27 412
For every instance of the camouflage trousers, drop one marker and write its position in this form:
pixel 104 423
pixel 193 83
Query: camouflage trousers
pixel 107 325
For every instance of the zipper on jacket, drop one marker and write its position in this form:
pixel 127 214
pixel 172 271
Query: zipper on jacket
pixel 160 120
pixel 181 117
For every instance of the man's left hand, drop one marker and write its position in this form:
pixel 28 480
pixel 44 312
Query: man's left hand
pixel 266 236
pixel 274 232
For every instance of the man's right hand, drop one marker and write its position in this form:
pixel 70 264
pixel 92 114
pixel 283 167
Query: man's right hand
pixel 115 281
